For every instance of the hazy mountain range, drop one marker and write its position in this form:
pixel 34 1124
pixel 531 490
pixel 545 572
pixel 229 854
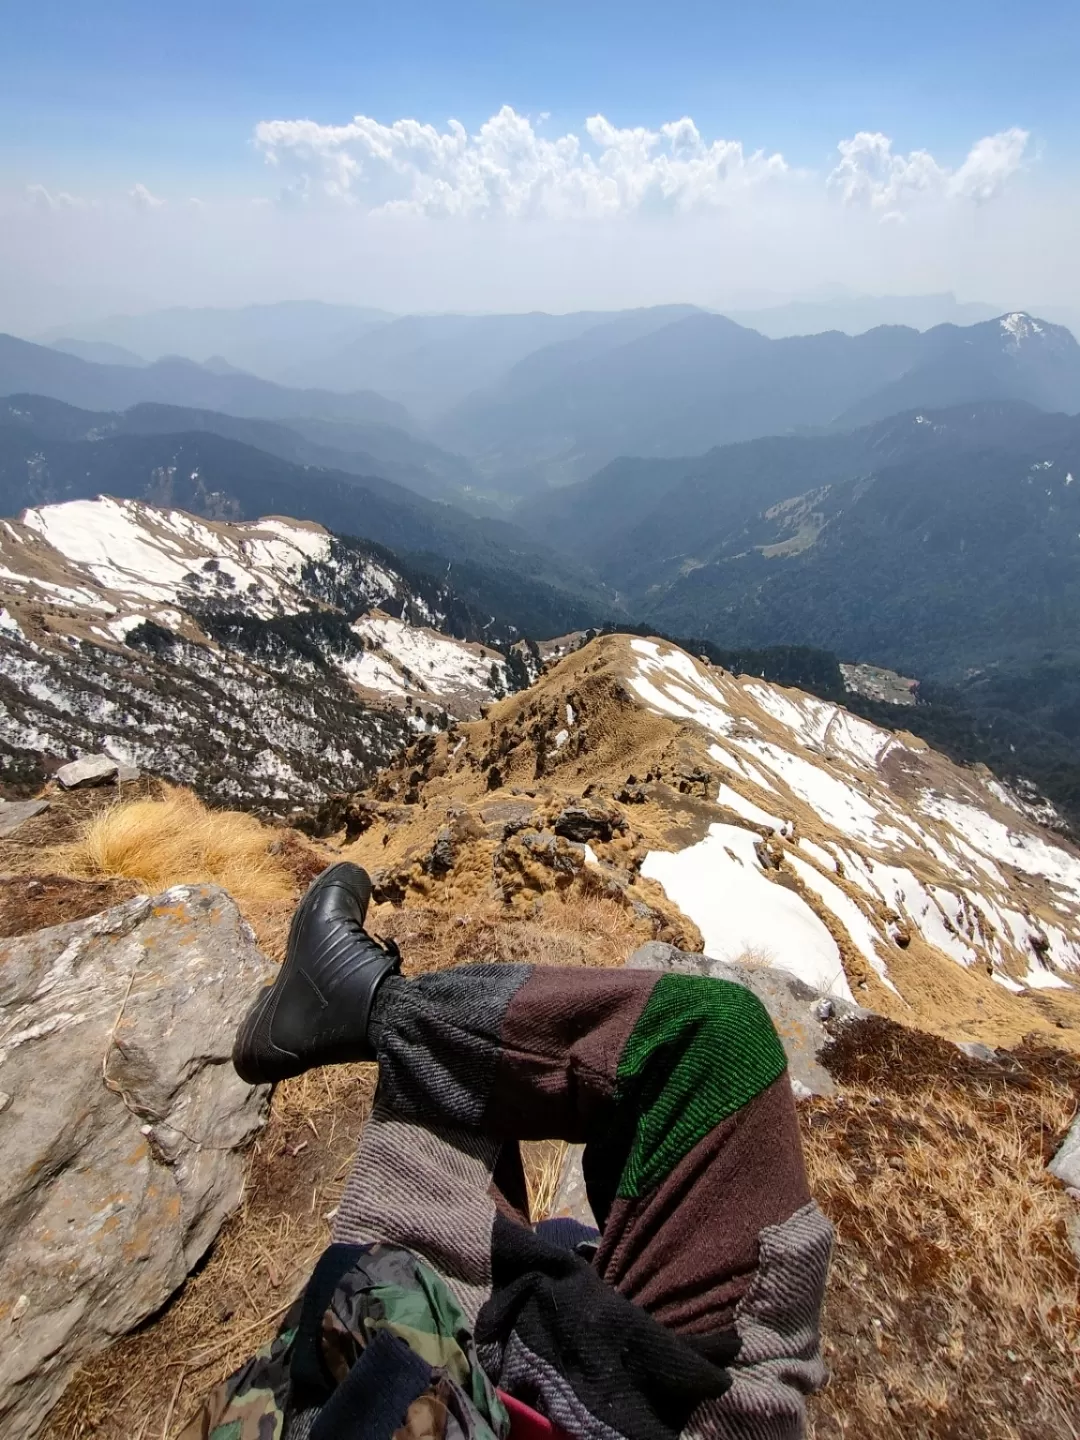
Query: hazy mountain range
pixel 514 404
pixel 209 465
pixel 901 497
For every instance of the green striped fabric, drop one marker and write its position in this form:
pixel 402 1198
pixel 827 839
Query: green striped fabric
pixel 729 1052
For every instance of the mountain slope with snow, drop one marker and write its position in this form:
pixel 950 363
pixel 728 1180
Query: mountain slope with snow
pixel 785 831
pixel 265 663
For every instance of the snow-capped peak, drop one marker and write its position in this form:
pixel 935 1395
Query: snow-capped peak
pixel 1020 326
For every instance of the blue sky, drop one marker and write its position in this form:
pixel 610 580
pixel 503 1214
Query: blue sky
pixel 89 91
pixel 885 147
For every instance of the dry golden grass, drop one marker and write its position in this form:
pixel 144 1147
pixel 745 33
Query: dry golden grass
pixel 176 841
pixel 560 929
pixel 954 1306
pixel 543 1161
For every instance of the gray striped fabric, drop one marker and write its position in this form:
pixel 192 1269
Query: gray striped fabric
pixel 428 1190
pixel 778 1322
pixel 437 1058
pixel 524 1372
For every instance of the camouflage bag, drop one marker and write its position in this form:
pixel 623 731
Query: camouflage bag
pixel 376 1346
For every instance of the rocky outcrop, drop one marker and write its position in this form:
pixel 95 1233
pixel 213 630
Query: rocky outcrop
pixel 124 1128
pixel 1066 1163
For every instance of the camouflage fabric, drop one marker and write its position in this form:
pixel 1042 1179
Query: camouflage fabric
pixel 376 1289
pixel 251 1404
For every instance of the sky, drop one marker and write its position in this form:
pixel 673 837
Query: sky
pixel 497 156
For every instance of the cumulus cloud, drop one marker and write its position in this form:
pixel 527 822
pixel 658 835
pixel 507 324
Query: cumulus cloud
pixel 142 199
pixel 989 164
pixel 870 173
pixel 509 168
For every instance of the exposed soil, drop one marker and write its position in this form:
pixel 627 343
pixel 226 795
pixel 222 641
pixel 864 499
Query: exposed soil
pixel 33 902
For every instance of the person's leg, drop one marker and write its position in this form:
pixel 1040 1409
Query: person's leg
pixel 678 1087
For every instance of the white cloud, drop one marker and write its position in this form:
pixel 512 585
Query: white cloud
pixel 590 216
pixel 990 163
pixel 870 173
pixel 508 168
pixel 44 199
pixel 142 199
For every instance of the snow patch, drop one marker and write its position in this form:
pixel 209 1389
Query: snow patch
pixel 860 931
pixel 719 884
pixel 732 800
pixel 673 685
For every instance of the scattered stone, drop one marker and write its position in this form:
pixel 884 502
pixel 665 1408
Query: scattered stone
pixel 127 774
pixel 770 857
pixel 441 859
pixel 91 770
pixel 693 780
pixel 389 887
pixel 504 818
pixel 5 1101
pixel 631 795
pixel 976 1050
pixel 15 813
pixel 118 1176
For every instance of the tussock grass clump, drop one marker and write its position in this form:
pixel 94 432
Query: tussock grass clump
pixel 177 841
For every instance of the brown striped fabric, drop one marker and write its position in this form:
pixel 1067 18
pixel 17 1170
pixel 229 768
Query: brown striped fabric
pixel 725 1251
pixel 688 1251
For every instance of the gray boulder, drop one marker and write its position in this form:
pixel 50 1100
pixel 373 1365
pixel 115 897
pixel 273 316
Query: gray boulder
pixel 1066 1163
pixel 90 770
pixel 124 1133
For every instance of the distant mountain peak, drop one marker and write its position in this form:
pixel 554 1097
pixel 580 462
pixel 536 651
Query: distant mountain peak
pixel 1021 326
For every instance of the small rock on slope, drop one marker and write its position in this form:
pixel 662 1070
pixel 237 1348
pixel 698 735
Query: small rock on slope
pixel 123 1138
pixel 1066 1163
pixel 15 813
pixel 90 770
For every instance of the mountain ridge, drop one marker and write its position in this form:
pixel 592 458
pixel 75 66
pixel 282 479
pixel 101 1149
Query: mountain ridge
pixel 703 380
pixel 38 369
pixel 261 662
pixel 222 478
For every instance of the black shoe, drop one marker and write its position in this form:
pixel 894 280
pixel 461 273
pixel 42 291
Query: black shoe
pixel 317 1010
